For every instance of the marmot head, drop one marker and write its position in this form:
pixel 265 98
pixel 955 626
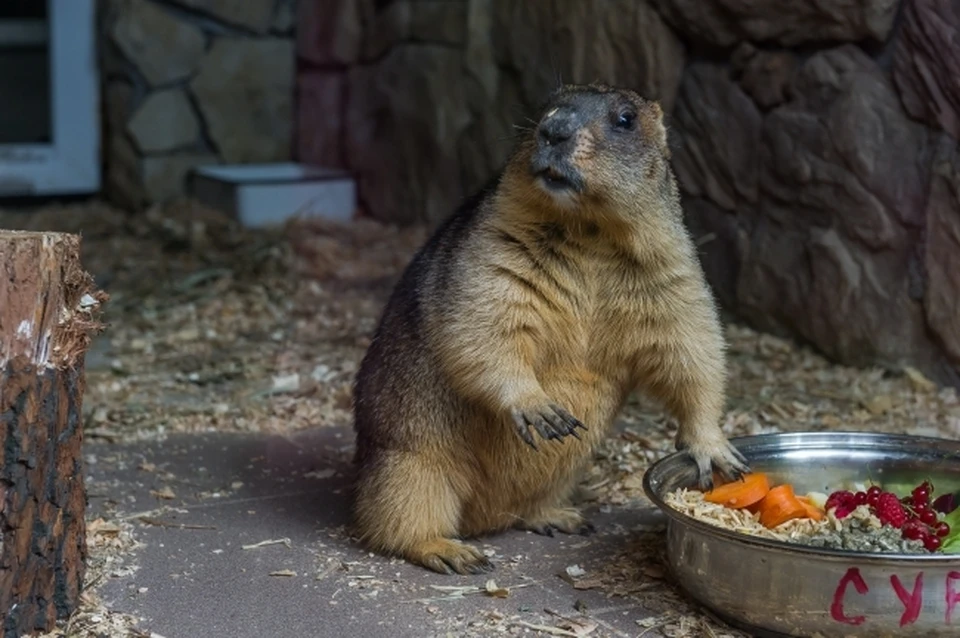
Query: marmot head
pixel 594 145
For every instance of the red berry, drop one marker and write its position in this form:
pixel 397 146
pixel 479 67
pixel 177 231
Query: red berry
pixel 928 517
pixel 921 495
pixel 874 491
pixel 911 532
pixel 932 543
pixel 941 529
pixel 842 511
pixel 860 498
pixel 873 499
pixel 840 497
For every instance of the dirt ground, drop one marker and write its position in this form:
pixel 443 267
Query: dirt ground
pixel 213 328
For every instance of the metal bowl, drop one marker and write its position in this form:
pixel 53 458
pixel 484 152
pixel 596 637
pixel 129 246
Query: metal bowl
pixel 772 588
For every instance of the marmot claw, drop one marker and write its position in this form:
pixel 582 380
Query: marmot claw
pixel 551 422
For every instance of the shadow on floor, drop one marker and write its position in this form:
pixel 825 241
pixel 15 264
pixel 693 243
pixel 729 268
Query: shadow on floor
pixel 244 535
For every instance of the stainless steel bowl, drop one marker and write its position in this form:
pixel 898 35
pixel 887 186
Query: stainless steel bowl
pixel 773 588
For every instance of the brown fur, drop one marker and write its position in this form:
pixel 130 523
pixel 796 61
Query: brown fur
pixel 543 308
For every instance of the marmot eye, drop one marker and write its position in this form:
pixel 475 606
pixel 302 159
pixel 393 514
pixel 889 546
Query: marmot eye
pixel 626 119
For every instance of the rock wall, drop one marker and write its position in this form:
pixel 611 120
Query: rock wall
pixel 191 82
pixel 816 142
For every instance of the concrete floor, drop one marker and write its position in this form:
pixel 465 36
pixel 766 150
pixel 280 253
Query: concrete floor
pixel 238 490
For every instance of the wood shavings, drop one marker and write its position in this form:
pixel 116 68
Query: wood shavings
pixel 103 528
pixel 582 626
pixel 691 503
pixel 278 541
pixel 574 571
pixel 160 523
pixel 496 592
pixel 457 592
pixel 919 382
pixel 547 629
pixel 164 493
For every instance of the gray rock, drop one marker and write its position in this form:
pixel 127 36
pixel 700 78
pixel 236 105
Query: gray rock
pixel 118 104
pixel 926 66
pixel 285 18
pixel 480 63
pixel 163 47
pixel 256 15
pixel 718 134
pixel 245 94
pixel 122 183
pixel 726 22
pixel 764 75
pixel 522 43
pixel 832 251
pixel 164 176
pixel 407 162
pixel 622 42
pixel 486 143
pixel 330 32
pixel 164 122
pixel 425 21
pixel 722 238
pixel 942 259
pixel 715 135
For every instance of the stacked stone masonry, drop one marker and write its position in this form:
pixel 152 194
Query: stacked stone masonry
pixel 193 82
pixel 816 143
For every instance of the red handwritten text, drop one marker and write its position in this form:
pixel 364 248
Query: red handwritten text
pixel 912 602
pixel 836 609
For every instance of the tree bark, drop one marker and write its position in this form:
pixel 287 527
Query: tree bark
pixel 49 310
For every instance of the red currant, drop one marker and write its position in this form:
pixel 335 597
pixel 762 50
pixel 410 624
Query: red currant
pixel 941 529
pixel 922 491
pixel 860 498
pixel 932 543
pixel 874 491
pixel 928 517
pixel 873 499
pixel 912 532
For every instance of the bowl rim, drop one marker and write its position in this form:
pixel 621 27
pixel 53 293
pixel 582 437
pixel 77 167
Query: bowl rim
pixel 796 548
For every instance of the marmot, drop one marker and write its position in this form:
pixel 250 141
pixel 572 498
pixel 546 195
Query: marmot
pixel 517 332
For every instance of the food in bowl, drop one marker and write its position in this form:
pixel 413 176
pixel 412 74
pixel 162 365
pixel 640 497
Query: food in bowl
pixel 860 518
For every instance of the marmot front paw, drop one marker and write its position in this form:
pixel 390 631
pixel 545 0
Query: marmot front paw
pixel 550 421
pixel 714 452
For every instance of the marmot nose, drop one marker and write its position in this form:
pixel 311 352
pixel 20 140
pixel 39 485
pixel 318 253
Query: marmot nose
pixel 557 127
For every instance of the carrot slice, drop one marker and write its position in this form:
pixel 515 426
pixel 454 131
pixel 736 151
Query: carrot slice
pixel 813 511
pixel 750 489
pixel 779 506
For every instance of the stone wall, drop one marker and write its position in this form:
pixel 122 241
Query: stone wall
pixel 190 82
pixel 816 143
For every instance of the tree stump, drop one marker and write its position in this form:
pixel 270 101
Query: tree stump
pixel 49 310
